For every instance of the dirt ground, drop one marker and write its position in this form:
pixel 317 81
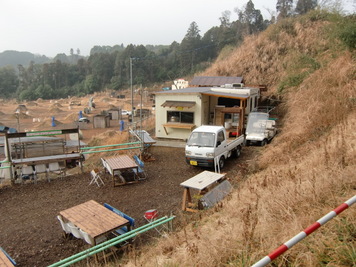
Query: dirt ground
pixel 32 235
pixel 29 229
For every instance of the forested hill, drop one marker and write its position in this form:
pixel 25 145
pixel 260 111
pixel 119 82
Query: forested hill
pixel 109 67
pixel 14 58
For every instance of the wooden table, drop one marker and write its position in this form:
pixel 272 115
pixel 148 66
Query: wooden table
pixel 200 182
pixel 4 260
pixel 118 164
pixel 94 219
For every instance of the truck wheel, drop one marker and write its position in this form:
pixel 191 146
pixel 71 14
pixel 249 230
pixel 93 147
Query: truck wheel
pixel 222 162
pixel 237 152
pixel 263 142
pixel 247 142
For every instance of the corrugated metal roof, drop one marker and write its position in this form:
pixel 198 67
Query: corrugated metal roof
pixel 214 80
pixel 183 104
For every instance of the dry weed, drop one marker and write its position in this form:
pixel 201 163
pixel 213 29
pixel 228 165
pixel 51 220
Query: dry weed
pixel 308 170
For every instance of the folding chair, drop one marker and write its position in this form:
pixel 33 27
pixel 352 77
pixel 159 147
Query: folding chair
pixel 127 217
pixel 140 170
pixel 95 178
pixel 150 216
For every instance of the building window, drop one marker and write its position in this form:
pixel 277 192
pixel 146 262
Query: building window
pixel 179 116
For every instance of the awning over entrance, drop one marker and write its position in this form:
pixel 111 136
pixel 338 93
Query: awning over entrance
pixel 176 104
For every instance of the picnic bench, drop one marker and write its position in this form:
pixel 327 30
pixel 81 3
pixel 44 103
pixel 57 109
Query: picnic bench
pixel 211 187
pixel 93 219
pixel 5 259
pixel 122 168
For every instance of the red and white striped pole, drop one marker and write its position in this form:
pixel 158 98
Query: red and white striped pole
pixel 290 243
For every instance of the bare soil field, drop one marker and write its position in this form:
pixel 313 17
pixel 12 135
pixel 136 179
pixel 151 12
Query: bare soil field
pixel 30 231
pixel 32 235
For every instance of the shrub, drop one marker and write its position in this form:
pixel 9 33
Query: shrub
pixel 347 33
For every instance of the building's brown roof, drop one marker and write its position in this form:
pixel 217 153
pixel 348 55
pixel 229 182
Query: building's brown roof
pixel 214 80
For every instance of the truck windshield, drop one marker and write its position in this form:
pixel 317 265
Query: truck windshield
pixel 257 122
pixel 201 139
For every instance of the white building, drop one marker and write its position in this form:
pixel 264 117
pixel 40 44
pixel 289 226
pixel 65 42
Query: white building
pixel 178 112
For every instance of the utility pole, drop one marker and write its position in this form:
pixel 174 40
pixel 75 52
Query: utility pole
pixel 132 96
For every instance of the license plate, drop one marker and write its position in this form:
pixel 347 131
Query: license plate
pixel 193 162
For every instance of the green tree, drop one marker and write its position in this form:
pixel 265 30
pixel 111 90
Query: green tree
pixel 251 19
pixel 303 6
pixel 28 95
pixel 91 84
pixel 225 19
pixel 101 66
pixel 284 8
pixel 189 48
pixel 45 92
pixel 8 81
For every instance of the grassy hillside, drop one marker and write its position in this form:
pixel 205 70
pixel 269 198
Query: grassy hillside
pixel 307 171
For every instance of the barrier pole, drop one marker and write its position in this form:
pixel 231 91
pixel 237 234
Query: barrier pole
pixel 299 237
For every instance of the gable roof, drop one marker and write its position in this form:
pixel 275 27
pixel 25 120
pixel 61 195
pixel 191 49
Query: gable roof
pixel 214 80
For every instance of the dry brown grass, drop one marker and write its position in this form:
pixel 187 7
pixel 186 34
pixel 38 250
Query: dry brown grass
pixel 307 171
pixel 264 58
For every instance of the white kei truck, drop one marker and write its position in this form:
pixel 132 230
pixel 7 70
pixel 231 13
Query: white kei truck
pixel 209 146
pixel 260 129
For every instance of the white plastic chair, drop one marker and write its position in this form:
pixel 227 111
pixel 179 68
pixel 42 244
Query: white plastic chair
pixel 86 237
pixel 64 225
pixel 41 168
pixel 27 173
pixel 106 166
pixel 54 167
pixel 75 231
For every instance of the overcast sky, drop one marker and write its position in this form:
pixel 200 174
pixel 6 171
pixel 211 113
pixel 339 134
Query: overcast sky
pixel 49 27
